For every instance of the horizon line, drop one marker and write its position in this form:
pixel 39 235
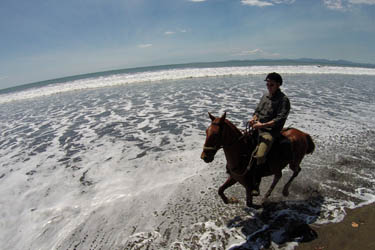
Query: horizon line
pixel 202 64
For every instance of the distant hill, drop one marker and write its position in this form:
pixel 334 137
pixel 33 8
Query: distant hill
pixel 271 62
pixel 302 61
pixel 335 62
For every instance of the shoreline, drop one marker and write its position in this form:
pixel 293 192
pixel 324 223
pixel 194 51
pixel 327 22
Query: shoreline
pixel 356 231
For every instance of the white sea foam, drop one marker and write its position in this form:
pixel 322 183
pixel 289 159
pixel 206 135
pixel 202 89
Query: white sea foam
pixel 176 74
pixel 119 166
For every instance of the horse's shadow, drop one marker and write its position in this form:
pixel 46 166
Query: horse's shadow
pixel 279 223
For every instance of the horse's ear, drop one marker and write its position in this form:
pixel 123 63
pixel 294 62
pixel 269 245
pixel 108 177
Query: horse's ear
pixel 222 118
pixel 211 116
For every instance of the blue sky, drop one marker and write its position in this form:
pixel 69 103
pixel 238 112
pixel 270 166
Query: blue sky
pixel 45 39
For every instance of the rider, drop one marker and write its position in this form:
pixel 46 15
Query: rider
pixel 269 118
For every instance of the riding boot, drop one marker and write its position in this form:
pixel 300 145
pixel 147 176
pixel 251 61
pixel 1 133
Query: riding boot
pixel 255 179
pixel 260 159
pixel 255 183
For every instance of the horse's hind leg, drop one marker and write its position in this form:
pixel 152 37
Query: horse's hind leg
pixel 296 169
pixel 276 179
pixel 228 183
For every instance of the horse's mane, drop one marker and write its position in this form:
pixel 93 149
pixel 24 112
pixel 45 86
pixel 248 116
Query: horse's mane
pixel 233 127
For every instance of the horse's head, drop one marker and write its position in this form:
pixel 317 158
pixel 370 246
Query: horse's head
pixel 213 138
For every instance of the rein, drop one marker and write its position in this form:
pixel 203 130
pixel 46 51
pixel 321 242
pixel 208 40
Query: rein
pixel 248 131
pixel 245 133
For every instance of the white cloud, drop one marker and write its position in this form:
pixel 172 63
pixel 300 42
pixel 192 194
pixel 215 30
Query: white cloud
pixel 369 2
pixel 142 46
pixel 283 1
pixel 251 52
pixel 257 52
pixel 334 4
pixel 257 3
pixel 345 4
pixel 169 33
pixel 264 3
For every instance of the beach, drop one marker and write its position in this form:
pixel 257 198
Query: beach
pixel 356 231
pixel 112 161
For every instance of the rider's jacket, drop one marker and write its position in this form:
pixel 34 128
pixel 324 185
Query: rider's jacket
pixel 274 108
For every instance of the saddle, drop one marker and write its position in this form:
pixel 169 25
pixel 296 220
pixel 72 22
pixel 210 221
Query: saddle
pixel 281 148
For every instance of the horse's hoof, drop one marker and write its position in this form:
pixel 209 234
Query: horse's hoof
pixel 233 200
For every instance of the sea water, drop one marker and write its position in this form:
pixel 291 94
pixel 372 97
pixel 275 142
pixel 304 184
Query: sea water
pixel 112 160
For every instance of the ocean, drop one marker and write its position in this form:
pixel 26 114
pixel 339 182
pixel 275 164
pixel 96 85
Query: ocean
pixel 111 160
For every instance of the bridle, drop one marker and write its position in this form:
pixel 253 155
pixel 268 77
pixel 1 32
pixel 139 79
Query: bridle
pixel 245 133
pixel 247 130
pixel 216 147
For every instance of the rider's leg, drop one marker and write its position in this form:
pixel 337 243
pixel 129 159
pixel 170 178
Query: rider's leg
pixel 252 168
pixel 265 143
pixel 264 146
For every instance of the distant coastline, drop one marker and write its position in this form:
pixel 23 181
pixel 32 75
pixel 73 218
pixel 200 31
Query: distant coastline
pixel 218 64
pixel 300 61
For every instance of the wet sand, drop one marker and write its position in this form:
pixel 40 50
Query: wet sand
pixel 356 231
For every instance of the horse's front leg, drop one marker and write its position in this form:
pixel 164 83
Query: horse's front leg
pixel 249 197
pixel 228 183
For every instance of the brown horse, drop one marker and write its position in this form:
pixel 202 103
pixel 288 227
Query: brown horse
pixel 238 148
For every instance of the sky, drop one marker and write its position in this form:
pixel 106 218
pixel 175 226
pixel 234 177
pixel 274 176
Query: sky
pixel 46 39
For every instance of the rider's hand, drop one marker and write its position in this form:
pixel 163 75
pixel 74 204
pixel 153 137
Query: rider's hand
pixel 257 125
pixel 252 122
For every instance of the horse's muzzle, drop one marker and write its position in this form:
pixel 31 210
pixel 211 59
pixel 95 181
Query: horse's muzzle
pixel 207 158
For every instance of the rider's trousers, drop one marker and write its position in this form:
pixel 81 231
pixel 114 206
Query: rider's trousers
pixel 264 146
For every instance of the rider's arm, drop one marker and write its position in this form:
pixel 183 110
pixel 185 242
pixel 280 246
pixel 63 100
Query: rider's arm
pixel 258 125
pixel 255 117
pixel 282 112
pixel 259 107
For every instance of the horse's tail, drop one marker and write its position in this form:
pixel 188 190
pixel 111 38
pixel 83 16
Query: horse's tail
pixel 310 144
